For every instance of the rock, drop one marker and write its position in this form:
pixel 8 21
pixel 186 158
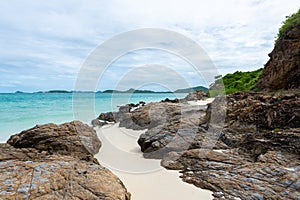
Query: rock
pixel 261 157
pixel 72 138
pixel 282 71
pixel 194 96
pixel 56 162
pixel 250 113
pixel 256 135
pixel 98 123
pixel 170 100
pixel 246 114
pixel 109 117
pixel 234 175
pixel 28 173
pixel 123 115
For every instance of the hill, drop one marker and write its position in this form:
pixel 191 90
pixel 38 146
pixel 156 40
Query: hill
pixel 236 82
pixel 193 89
pixel 131 90
pixel 185 90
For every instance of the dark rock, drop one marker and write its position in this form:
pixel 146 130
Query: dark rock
pixel 251 113
pixel 123 115
pixel 109 117
pixel 170 100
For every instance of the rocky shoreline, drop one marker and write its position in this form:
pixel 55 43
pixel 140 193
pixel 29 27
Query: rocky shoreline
pixel 241 146
pixel 256 154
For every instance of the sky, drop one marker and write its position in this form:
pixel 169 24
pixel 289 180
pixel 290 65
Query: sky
pixel 45 44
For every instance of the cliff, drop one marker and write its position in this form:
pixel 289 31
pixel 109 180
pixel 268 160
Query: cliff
pixel 282 71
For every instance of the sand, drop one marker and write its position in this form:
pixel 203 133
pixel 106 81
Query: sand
pixel 201 102
pixel 144 178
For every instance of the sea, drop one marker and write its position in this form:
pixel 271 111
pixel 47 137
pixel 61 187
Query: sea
pixel 21 111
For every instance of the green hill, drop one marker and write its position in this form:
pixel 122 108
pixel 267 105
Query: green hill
pixel 193 89
pixel 236 82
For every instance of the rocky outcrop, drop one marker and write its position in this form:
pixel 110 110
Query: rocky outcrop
pixel 56 162
pixel 254 113
pixel 282 71
pixel 177 132
pixel 246 114
pixel 255 154
pixel 146 116
pixel 73 138
pixel 241 146
pixel 234 175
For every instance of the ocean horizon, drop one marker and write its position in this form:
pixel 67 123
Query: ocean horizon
pixel 21 111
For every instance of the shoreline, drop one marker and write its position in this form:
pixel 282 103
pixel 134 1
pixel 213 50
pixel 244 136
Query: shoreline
pixel 144 178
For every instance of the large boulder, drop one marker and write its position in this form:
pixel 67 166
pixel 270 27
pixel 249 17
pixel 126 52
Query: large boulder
pixel 175 127
pixel 56 162
pixel 72 138
pixel 28 173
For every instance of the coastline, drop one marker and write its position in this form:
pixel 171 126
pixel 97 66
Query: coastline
pixel 144 178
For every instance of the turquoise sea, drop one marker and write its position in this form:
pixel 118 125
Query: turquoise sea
pixel 20 111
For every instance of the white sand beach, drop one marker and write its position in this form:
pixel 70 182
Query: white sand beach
pixel 201 102
pixel 144 178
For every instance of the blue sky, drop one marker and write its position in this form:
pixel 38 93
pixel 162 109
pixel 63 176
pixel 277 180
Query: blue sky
pixel 44 44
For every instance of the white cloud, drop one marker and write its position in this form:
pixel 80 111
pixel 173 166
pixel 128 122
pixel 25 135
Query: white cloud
pixel 52 39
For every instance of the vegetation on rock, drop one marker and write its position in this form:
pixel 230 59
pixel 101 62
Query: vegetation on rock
pixel 291 21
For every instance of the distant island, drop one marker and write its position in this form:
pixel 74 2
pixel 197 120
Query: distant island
pixel 185 90
pixel 131 90
pixel 58 91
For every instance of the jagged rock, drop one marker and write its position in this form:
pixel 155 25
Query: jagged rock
pixel 255 112
pixel 246 114
pixel 72 138
pixel 264 111
pixel 56 162
pixel 234 175
pixel 177 131
pixel 259 136
pixel 282 71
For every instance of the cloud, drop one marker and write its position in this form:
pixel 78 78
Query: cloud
pixel 52 39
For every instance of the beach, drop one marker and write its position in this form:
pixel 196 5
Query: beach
pixel 144 178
